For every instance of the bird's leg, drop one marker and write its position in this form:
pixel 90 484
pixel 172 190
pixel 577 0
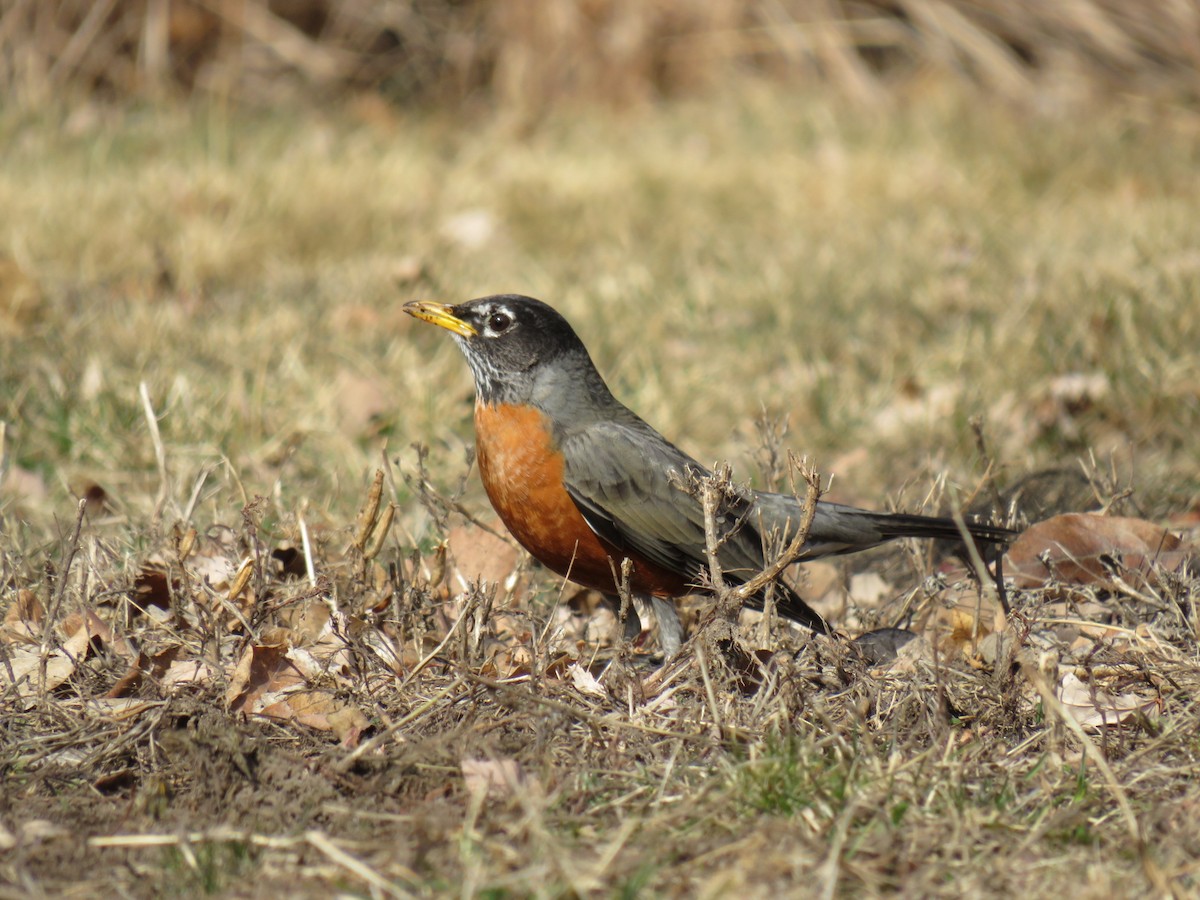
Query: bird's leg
pixel 623 603
pixel 980 567
pixel 670 628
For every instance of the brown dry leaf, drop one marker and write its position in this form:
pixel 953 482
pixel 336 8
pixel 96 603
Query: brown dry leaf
pixel 320 710
pixel 23 621
pixel 1079 546
pixel 131 680
pixel 98 630
pixel 152 588
pixel 1095 708
pixel 183 672
pixel 119 708
pixel 97 497
pixel 962 618
pixel 478 555
pixel 494 777
pixel 213 567
pixel 585 682
pixel 348 723
pixel 262 668
pixel 24 664
pixel 21 301
pixel 271 680
pixel 328 649
pixel 170 671
pixel 512 661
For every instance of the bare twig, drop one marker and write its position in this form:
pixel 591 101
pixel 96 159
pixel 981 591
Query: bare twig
pixel 355 866
pixel 309 566
pixel 795 549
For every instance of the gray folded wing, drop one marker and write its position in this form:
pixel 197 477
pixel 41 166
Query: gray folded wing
pixel 629 490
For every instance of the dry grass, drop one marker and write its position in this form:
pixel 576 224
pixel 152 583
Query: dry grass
pixel 525 57
pixel 875 280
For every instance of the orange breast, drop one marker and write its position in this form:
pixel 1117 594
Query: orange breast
pixel 522 472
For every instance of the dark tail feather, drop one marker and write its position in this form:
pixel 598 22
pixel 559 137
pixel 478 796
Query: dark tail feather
pixel 789 605
pixel 890 526
pixel 899 525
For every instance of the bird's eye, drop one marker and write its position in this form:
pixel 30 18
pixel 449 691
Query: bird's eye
pixel 499 321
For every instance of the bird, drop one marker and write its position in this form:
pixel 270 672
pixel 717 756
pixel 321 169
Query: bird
pixel 584 483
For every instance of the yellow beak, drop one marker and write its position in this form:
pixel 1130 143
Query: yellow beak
pixel 441 315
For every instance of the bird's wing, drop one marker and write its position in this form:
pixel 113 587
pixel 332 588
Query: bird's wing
pixel 626 481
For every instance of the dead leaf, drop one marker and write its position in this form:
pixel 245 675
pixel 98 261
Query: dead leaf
pixel 25 665
pixel 212 567
pixel 1095 708
pixel 585 682
pixel 131 680
pixel 262 667
pixel 96 496
pixel 183 672
pixel 153 589
pixel 962 619
pixel 1082 548
pixel 163 666
pixel 271 680
pixel 119 709
pixel 320 710
pixel 479 555
pixel 23 621
pixel 493 777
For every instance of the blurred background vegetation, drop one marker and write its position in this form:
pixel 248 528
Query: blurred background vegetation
pixel 525 56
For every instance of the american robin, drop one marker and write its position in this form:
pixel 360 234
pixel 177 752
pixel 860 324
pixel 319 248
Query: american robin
pixel 583 483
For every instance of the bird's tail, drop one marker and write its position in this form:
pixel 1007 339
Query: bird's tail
pixel 902 525
pixel 838 529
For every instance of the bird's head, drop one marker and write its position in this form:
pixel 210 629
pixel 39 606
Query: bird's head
pixel 513 344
